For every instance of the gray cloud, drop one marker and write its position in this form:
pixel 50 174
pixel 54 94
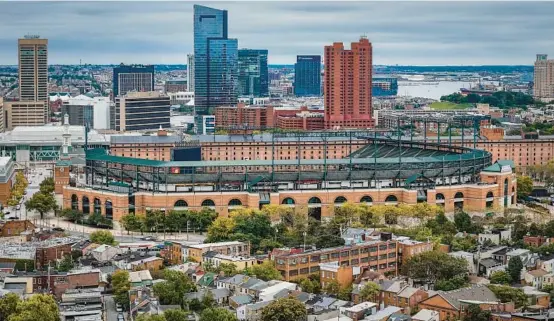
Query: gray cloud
pixel 422 33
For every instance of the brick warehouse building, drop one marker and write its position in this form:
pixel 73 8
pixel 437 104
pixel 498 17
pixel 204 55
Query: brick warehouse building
pixel 347 85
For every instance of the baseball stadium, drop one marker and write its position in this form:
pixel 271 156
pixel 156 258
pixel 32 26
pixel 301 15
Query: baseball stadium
pixel 386 169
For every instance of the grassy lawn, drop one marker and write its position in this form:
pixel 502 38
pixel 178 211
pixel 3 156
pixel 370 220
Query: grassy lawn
pixel 446 105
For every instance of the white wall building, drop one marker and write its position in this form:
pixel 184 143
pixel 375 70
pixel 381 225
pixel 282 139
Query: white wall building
pixel 190 72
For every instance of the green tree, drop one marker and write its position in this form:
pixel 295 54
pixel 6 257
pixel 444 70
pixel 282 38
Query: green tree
pixel 500 277
pixel 463 223
pixel 102 237
pixel 462 220
pixel 509 294
pixel 370 291
pixel 515 265
pixel 47 186
pixel 208 300
pixel 265 271
pixel 131 223
pixel 524 186
pixel 195 305
pixel 286 309
pixel 172 291
pixel 66 264
pixel 72 215
pixel 345 293
pixel 309 285
pixel 42 203
pixel 457 282
pixel 228 269
pixel 175 315
pixel 121 286
pixel 475 313
pixel 151 317
pixel 332 287
pixel 8 305
pixel 434 265
pixel 24 265
pixel 217 314
pixel 41 307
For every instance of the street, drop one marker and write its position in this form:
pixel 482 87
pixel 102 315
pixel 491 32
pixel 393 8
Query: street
pixel 109 306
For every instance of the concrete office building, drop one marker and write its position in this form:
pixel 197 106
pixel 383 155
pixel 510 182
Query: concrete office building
pixel 253 73
pixel 175 85
pixel 24 113
pixel 215 61
pixel 127 78
pixel 80 111
pixel 347 85
pixel 307 76
pixel 190 72
pixel 543 87
pixel 33 69
pixel 84 110
pixel 33 82
pixel 141 111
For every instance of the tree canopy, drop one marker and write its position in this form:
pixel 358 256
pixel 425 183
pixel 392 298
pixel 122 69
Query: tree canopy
pixel 217 314
pixel 37 307
pixel 285 309
pixel 501 277
pixel 509 294
pixel 265 271
pixel 172 291
pixel 121 286
pixel 102 237
pixel 42 203
pixel 370 291
pixel 500 99
pixel 433 266
pixel 515 265
pixel 524 186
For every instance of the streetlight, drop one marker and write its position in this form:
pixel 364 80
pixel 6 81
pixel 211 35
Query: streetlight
pixel 304 234
pixel 276 231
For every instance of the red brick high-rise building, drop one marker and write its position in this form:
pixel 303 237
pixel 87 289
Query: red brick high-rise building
pixel 347 85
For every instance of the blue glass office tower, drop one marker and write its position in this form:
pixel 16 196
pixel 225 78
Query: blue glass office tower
pixel 215 61
pixel 253 73
pixel 307 76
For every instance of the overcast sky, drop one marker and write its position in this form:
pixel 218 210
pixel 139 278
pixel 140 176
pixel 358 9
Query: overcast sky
pixel 415 33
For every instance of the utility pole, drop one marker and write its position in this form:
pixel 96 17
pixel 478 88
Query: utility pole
pixel 304 234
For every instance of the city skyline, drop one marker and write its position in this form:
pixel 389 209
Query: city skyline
pixel 405 33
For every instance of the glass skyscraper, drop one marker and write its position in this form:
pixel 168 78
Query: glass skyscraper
pixel 253 73
pixel 215 61
pixel 307 76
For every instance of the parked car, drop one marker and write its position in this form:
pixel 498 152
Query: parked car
pixel 120 317
pixel 118 308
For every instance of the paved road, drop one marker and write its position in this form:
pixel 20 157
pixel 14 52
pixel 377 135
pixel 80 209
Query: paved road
pixel 109 305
